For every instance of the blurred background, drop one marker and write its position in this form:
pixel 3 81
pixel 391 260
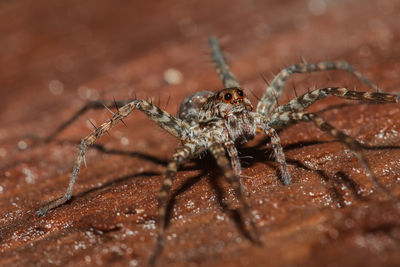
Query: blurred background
pixel 55 56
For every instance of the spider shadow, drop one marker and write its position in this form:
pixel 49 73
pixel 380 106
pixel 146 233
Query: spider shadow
pixel 259 153
pixel 208 165
pixel 29 217
pixel 336 182
pixel 108 184
pixel 118 180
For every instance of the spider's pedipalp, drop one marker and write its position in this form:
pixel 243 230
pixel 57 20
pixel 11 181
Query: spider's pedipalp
pixel 223 70
pixel 172 125
pixel 268 100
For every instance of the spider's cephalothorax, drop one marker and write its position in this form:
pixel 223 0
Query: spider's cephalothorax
pixel 215 122
pixel 226 115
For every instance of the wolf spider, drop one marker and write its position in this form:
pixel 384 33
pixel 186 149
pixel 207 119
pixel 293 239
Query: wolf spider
pixel 217 122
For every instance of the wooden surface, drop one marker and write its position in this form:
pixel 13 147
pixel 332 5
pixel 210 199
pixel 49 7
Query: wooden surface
pixel 58 55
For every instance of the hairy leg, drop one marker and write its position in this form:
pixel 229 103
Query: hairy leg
pixel 354 145
pixel 90 105
pixel 187 151
pixel 173 125
pixel 234 156
pixel 218 152
pixel 279 155
pixel 302 102
pixel 222 68
pixel 274 90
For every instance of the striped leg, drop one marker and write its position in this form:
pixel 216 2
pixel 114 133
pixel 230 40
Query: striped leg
pixel 218 152
pixel 173 125
pixel 183 153
pixel 234 156
pixel 354 145
pixel 223 70
pixel 302 102
pixel 90 105
pixel 279 155
pixel 273 92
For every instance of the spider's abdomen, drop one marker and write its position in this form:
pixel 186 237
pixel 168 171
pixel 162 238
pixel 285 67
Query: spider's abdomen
pixel 190 108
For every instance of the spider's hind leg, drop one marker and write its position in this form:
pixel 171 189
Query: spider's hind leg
pixel 275 89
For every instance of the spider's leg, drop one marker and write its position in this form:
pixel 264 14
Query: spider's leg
pixel 90 105
pixel 302 102
pixel 234 155
pixel 169 123
pixel 222 68
pixel 354 145
pixel 235 160
pixel 187 151
pixel 274 90
pixel 218 152
pixel 279 155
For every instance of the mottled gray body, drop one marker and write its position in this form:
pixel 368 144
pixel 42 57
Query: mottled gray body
pixel 216 122
pixel 189 110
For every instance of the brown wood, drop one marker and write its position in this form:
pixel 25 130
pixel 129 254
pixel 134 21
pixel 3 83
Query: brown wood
pixel 330 215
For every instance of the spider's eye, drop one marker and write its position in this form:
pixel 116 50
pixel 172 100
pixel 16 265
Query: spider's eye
pixel 228 96
pixel 239 92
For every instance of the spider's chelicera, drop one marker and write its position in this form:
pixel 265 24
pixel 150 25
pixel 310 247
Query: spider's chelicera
pixel 217 122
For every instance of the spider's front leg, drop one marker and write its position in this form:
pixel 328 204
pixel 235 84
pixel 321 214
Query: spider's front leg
pixel 172 125
pixel 279 154
pixel 187 151
pixel 218 151
pixel 89 106
pixel 234 156
pixel 275 89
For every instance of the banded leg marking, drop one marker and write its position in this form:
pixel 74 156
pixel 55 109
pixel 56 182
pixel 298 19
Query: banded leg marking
pixel 279 154
pixel 353 144
pixel 302 102
pixel 183 153
pixel 169 123
pixel 234 156
pixel 89 106
pixel 282 117
pixel 218 152
pixel 274 90
pixel 222 68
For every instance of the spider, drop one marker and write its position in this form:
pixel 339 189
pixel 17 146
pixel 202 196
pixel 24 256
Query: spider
pixel 217 122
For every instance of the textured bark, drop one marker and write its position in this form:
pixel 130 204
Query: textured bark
pixel 57 55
